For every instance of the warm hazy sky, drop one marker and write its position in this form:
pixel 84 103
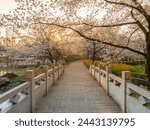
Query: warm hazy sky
pixel 6 6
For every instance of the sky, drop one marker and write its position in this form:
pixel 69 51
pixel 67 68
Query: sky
pixel 6 6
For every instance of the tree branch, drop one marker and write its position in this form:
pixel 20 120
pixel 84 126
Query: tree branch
pixel 127 41
pixel 142 9
pixel 139 9
pixel 113 25
pixel 97 40
pixel 100 49
pixel 138 23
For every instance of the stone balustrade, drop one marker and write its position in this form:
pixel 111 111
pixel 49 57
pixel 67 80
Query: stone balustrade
pixel 23 98
pixel 121 90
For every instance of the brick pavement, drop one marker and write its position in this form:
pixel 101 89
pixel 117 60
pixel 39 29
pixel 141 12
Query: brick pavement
pixel 77 91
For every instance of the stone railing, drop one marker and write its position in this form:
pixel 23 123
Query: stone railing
pixel 23 98
pixel 122 90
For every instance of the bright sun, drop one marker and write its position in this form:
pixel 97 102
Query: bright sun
pixel 6 6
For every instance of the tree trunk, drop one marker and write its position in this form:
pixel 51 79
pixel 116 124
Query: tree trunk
pixel 148 58
pixel 148 70
pixel 50 57
pixel 94 53
pixel 146 66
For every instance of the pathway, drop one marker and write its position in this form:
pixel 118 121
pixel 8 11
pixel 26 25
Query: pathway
pixel 77 91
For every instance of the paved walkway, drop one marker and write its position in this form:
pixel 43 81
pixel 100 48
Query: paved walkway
pixel 77 91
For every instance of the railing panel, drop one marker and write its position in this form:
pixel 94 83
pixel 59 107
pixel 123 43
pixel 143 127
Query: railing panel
pixel 137 103
pixel 115 78
pixel 39 77
pixel 134 106
pixel 19 99
pixel 23 106
pixel 7 95
pixel 50 82
pixel 97 75
pixel 103 71
pixel 40 91
pixel 117 93
pixel 16 99
pixel 121 90
pixel 56 75
pixel 139 90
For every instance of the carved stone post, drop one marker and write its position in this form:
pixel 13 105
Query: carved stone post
pixel 126 76
pixel 30 76
pixel 46 79
pixel 108 70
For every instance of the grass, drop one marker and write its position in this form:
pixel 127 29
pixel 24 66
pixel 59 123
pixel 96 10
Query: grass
pixel 72 58
pixel 39 70
pixel 139 71
pixel 117 68
pixel 140 68
pixel 22 75
pixel 11 76
pixel 88 62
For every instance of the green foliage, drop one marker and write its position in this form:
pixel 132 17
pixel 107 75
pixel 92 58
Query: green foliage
pixel 87 63
pixel 10 75
pixel 135 95
pixel 96 62
pixel 147 105
pixel 118 68
pixel 22 75
pixel 140 68
pixel 39 70
pixel 138 71
pixel 50 66
pixel 72 58
pixel 139 75
pixel 19 76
